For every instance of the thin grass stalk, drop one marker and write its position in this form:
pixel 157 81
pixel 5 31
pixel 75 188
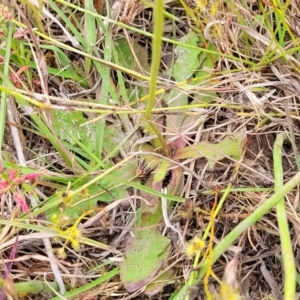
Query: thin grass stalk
pixel 239 230
pixel 37 13
pixel 89 34
pixel 284 232
pixel 155 64
pixel 3 101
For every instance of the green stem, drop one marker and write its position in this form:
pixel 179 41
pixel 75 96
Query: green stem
pixel 156 58
pixel 33 286
pixel 285 239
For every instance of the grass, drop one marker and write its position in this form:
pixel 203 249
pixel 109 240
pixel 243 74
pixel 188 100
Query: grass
pixel 130 128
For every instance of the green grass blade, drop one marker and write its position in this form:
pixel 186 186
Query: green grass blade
pixel 286 243
pixel 85 289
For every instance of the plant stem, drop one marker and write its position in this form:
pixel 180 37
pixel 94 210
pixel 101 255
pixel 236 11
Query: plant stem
pixel 285 240
pixel 33 286
pixel 156 58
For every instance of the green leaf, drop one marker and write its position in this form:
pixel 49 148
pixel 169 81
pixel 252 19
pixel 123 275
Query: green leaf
pixel 186 59
pixel 126 57
pixel 230 146
pixel 206 73
pixel 156 286
pixel 87 200
pixel 128 60
pixel 67 125
pixel 82 203
pixel 186 63
pixel 145 255
pixel 148 250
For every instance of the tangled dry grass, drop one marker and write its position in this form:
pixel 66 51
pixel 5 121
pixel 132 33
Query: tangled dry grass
pixel 246 81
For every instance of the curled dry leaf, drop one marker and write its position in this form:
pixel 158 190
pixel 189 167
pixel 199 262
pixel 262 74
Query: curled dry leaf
pixel 229 276
pixel 228 289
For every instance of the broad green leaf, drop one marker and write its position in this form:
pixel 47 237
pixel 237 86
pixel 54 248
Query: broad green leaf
pixel 145 254
pixel 128 60
pixel 206 73
pixel 186 63
pixel 67 125
pixel 113 136
pixel 186 59
pixel 87 200
pixel 230 146
pixel 126 57
pixel 148 250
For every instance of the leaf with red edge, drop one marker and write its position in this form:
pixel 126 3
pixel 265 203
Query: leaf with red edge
pixel 181 70
pixel 147 252
pixel 145 255
pixel 157 285
pixel 230 146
